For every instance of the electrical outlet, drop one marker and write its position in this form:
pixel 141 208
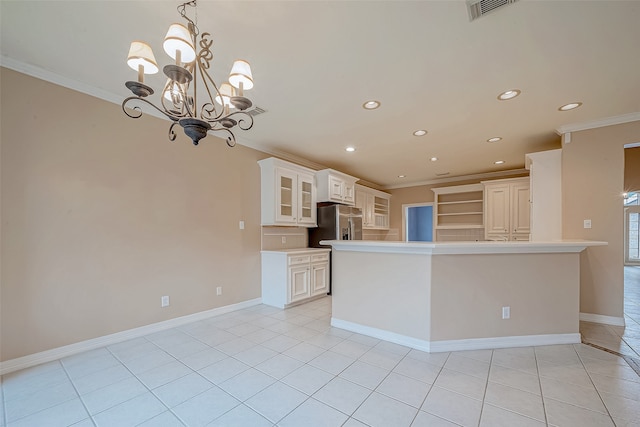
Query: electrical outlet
pixel 587 223
pixel 219 290
pixel 284 240
pixel 164 301
pixel 241 225
pixel 506 312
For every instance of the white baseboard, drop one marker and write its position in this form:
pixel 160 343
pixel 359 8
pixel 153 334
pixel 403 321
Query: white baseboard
pixel 382 334
pixel 504 342
pixel 599 318
pixel 458 345
pixel 94 343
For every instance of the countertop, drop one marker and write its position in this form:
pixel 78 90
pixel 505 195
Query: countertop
pixel 444 248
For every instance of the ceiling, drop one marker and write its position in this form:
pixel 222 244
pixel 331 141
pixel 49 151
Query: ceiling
pixel 315 63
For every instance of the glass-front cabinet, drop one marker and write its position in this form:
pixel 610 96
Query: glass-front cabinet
pixel 288 194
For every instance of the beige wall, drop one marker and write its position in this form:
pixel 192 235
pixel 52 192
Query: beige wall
pixel 540 289
pixel 457 297
pixel 632 169
pixel 102 215
pixel 592 187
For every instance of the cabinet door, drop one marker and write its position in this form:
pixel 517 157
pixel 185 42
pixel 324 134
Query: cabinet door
pixel 497 208
pixel 298 283
pixel 520 209
pixel 306 200
pixel 348 193
pixel 286 196
pixel 335 189
pixel 319 278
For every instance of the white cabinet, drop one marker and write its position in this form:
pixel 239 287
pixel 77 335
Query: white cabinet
pixel 507 209
pixel 334 186
pixel 293 276
pixel 545 177
pixel 458 213
pixel 375 207
pixel 288 194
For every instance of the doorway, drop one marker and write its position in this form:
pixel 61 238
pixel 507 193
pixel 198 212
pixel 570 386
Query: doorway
pixel 632 228
pixel 417 222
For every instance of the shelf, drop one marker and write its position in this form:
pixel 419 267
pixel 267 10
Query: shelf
pixel 460 202
pixel 460 213
pixel 457 226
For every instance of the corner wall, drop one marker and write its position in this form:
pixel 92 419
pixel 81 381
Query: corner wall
pixel 592 187
pixel 102 215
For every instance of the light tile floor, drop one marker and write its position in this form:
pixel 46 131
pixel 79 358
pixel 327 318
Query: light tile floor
pixel 621 339
pixel 263 366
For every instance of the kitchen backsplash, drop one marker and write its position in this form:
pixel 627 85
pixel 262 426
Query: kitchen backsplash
pixel 275 238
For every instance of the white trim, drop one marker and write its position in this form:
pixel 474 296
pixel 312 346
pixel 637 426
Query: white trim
pixel 79 347
pixel 599 318
pixel 479 176
pixel 60 80
pixel 458 345
pixel 504 342
pixel 609 121
pixel 381 334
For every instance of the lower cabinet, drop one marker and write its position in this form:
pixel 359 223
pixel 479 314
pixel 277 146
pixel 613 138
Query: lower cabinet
pixel 293 276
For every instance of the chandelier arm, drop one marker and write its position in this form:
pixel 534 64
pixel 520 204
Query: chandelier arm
pixel 244 118
pixel 138 110
pixel 208 110
pixel 172 134
pixel 178 104
pixel 231 138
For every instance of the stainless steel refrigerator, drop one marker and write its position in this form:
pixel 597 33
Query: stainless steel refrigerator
pixel 336 222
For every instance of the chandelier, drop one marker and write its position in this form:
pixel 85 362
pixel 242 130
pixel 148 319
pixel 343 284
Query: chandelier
pixel 179 98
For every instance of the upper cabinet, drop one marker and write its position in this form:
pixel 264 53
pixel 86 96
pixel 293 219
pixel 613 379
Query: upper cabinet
pixel 375 207
pixel 334 186
pixel 507 209
pixel 288 194
pixel 545 174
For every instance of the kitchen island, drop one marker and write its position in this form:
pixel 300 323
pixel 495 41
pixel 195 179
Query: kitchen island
pixel 458 295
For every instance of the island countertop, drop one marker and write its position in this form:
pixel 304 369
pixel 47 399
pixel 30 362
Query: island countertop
pixel 480 247
pixel 459 295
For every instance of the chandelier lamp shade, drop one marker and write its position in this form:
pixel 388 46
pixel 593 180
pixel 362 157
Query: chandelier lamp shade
pixel 224 108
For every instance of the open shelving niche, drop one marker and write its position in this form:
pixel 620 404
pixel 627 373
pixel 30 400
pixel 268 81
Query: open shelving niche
pixel 458 212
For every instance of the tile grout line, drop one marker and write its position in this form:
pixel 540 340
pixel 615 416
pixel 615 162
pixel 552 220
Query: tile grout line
pixel 594 386
pixel 631 361
pixel 544 407
pixel 4 406
pixel 486 386
pixel 77 392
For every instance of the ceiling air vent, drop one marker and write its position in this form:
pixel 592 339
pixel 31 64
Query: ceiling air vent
pixel 256 111
pixel 477 8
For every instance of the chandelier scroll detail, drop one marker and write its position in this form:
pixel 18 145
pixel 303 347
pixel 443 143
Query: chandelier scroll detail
pixel 179 97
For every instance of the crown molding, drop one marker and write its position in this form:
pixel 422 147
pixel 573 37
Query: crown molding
pixel 58 79
pixel 479 176
pixel 608 121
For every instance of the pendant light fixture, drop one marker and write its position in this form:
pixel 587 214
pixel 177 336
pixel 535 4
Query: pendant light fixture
pixel 179 97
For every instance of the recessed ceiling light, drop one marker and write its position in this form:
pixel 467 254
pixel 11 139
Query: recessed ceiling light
pixel 371 105
pixel 570 106
pixel 433 159
pixel 494 139
pixel 420 132
pixel 509 94
pixel 498 162
pixel 350 149
pixel 402 176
